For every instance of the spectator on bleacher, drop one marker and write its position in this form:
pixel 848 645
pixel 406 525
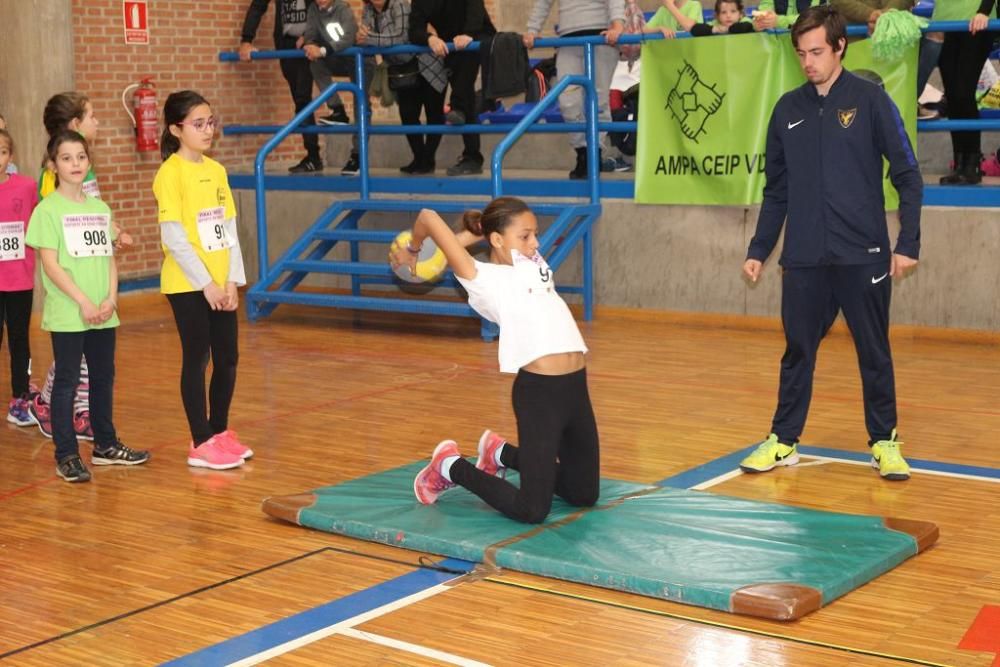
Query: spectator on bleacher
pixel 868 11
pixel 663 21
pixel 289 27
pixel 460 22
pixel 772 14
pixel 962 58
pixel 729 19
pixel 386 23
pixel 331 28
pixel 582 18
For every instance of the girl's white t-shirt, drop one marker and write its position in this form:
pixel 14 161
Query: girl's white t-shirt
pixel 534 321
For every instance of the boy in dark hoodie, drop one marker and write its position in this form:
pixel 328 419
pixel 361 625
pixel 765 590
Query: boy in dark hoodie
pixel 331 28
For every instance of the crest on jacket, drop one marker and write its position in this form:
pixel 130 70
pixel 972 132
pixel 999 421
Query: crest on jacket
pixel 846 117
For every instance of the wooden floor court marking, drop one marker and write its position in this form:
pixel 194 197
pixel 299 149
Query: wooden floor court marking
pixel 719 624
pixel 412 648
pixel 162 603
pixel 316 617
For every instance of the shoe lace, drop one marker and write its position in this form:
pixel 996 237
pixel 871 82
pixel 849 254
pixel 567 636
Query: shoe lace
pixel 890 446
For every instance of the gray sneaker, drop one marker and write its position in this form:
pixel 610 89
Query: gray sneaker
pixel 72 469
pixel 466 167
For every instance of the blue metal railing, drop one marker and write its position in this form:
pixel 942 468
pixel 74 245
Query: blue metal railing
pixel 553 96
pixel 988 124
pixel 360 105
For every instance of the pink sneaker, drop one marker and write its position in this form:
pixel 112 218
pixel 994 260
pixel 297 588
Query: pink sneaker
pixel 212 454
pixel 489 443
pixel 81 424
pixel 429 482
pixel 229 441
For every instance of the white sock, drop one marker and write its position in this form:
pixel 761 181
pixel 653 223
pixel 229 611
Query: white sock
pixel 496 455
pixel 446 466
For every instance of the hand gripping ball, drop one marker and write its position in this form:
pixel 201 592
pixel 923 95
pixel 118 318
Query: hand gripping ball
pixel 431 262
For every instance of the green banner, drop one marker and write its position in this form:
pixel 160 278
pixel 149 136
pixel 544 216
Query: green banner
pixel 705 105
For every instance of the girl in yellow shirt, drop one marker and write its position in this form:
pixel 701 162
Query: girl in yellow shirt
pixel 202 267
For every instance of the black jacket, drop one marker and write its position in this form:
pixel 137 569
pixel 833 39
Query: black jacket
pixel 256 11
pixel 824 173
pixel 449 18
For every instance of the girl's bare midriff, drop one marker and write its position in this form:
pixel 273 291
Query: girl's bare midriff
pixel 561 363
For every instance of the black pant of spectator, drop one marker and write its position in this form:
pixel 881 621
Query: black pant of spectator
pixel 300 84
pixel 463 69
pixel 410 101
pixel 961 61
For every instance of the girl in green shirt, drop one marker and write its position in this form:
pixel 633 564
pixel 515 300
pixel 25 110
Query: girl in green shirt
pixel 73 235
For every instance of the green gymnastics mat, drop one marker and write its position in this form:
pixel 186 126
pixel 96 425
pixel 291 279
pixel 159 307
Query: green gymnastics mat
pixel 693 547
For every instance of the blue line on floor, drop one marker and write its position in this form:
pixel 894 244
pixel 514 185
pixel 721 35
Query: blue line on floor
pixel 729 462
pixel 706 471
pixel 318 618
pixel 917 464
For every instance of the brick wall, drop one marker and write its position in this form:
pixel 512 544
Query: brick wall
pixel 185 40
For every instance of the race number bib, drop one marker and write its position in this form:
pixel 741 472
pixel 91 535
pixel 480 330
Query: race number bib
pixel 212 230
pixel 88 235
pixel 91 190
pixel 533 273
pixel 11 241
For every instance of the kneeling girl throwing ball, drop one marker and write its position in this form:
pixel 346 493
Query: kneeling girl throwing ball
pixel 558 448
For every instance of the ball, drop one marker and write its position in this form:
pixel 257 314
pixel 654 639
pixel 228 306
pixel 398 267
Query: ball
pixel 431 262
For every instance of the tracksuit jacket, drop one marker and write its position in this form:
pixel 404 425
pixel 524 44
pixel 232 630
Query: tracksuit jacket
pixel 824 173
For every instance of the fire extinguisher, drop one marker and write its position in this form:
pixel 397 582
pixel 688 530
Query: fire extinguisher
pixel 143 115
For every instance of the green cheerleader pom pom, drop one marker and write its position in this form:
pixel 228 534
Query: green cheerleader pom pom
pixel 895 32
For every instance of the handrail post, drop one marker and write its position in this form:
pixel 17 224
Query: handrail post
pixel 496 161
pixel 593 138
pixel 361 117
pixel 263 260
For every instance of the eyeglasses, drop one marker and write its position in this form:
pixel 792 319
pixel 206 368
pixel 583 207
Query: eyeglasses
pixel 202 123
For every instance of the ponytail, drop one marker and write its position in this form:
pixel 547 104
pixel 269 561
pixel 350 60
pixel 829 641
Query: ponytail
pixel 169 144
pixel 495 217
pixel 472 221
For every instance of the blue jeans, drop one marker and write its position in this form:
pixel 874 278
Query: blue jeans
pixel 928 60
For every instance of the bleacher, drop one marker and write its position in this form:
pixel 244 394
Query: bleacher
pixel 389 199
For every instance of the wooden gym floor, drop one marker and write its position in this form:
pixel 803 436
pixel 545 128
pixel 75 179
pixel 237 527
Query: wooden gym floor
pixel 154 563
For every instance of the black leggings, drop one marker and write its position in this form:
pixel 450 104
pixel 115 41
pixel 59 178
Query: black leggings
pixel 961 61
pixel 558 452
pixel 205 333
pixel 15 313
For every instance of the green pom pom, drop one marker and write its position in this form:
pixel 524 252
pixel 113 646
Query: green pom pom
pixel 895 32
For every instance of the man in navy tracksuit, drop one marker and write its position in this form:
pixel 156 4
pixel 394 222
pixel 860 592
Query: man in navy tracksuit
pixel 825 145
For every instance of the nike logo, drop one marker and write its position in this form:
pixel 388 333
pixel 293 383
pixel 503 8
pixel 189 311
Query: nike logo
pixel 791 125
pixel 876 281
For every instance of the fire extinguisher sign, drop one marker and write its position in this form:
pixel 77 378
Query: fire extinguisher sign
pixel 136 21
